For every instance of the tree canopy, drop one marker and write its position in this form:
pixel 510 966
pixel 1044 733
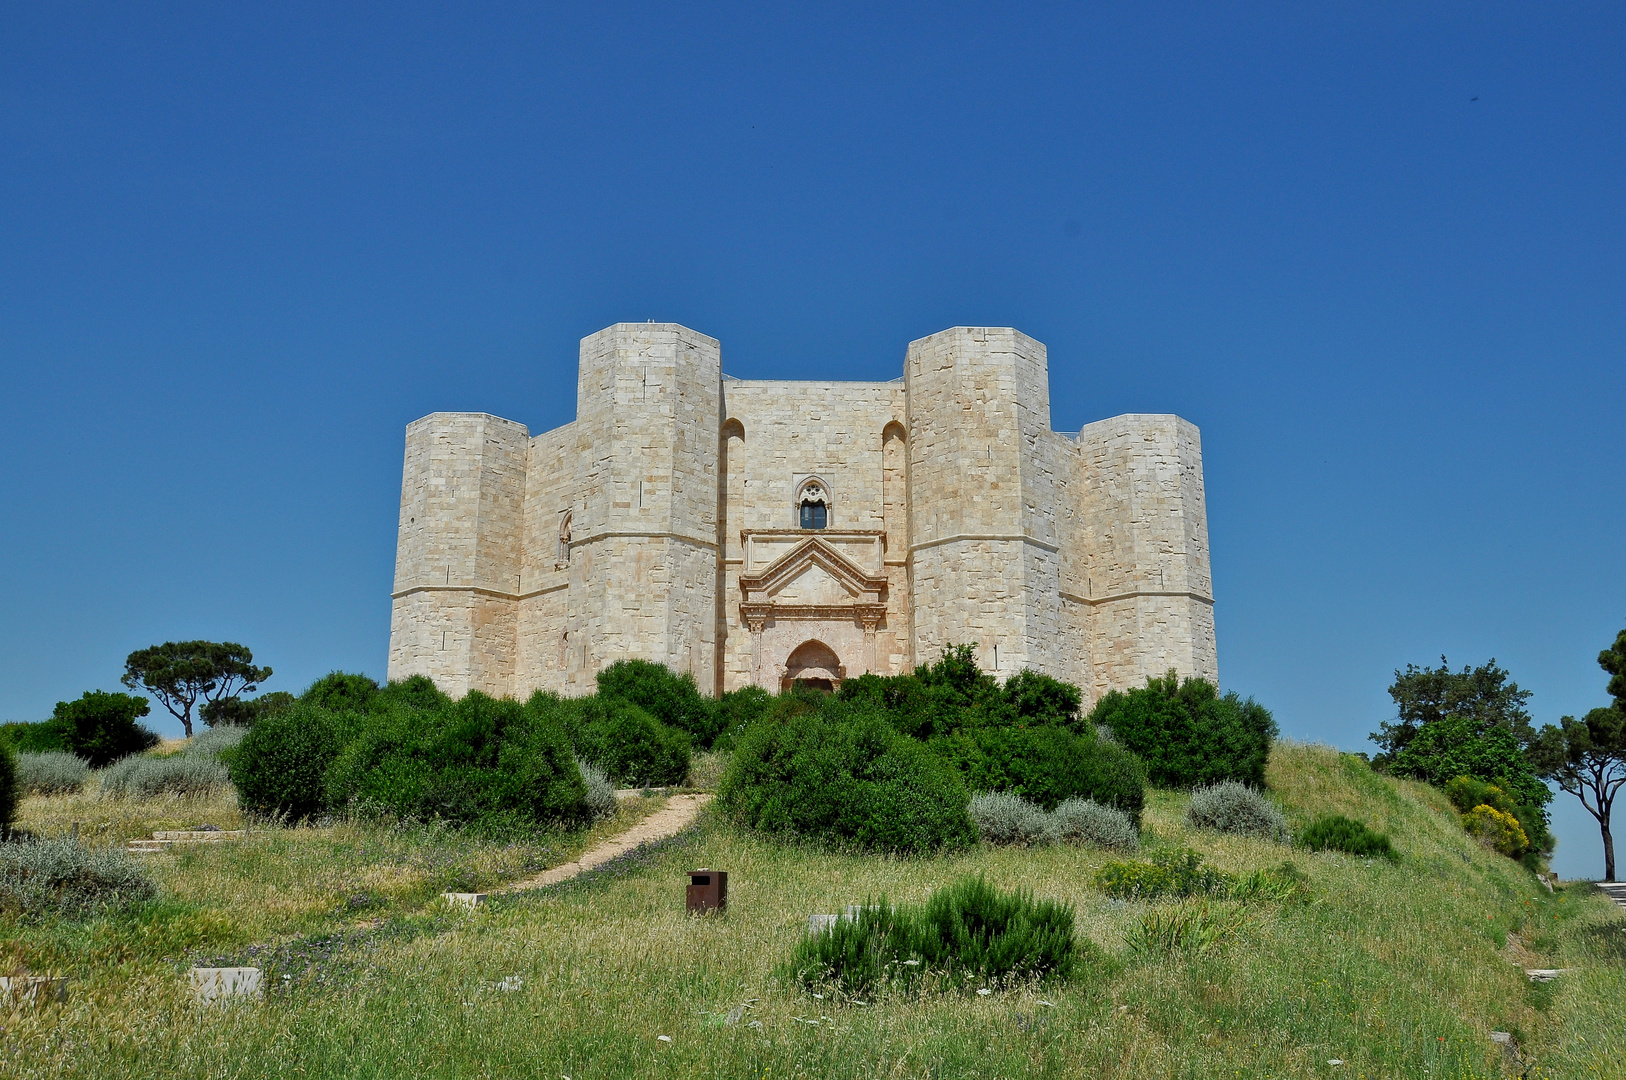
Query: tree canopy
pixel 182 673
pixel 1587 757
pixel 1471 722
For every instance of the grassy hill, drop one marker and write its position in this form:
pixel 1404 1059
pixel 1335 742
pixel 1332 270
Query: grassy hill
pixel 1394 969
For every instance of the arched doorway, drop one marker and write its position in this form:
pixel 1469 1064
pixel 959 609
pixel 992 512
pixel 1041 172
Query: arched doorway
pixel 813 664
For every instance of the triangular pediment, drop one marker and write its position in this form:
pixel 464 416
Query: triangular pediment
pixel 813 573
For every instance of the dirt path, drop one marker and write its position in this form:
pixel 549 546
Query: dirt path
pixel 678 814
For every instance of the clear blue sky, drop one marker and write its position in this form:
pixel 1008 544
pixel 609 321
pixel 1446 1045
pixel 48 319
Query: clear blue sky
pixel 1376 252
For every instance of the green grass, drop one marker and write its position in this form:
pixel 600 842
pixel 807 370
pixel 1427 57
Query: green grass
pixel 1398 969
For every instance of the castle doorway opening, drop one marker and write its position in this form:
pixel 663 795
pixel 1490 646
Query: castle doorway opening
pixel 815 665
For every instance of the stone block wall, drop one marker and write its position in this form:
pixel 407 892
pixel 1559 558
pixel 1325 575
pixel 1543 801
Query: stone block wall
pixel 458 552
pixel 531 563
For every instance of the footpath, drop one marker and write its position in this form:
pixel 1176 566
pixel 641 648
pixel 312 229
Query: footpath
pixel 678 814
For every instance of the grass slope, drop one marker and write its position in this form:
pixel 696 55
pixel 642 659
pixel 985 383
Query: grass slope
pixel 1395 969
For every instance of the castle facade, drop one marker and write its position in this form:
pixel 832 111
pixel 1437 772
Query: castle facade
pixel 772 531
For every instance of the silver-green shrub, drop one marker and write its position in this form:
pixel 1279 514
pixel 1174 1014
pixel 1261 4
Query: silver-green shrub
pixel 141 777
pixel 52 772
pixel 215 741
pixel 1083 821
pixel 600 792
pixel 66 878
pixel 1003 818
pixel 1232 807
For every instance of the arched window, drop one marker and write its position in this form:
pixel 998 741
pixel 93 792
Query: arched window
pixel 813 505
pixel 564 541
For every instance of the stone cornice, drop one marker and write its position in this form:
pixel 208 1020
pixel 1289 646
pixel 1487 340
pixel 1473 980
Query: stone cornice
pixel 1021 538
pixel 1137 593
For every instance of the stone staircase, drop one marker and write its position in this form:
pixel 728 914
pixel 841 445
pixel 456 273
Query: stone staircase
pixel 163 840
pixel 1615 890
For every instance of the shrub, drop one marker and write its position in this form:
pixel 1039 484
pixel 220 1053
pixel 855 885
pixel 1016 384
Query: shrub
pixel 340 691
pixel 1080 821
pixel 240 712
pixel 844 773
pixel 51 773
pixel 1497 830
pixel 670 698
pixel 1038 699
pixel 737 710
pixel 40 738
pixel 414 692
pixel 969 933
pixel 628 743
pixel 142 777
pixel 1467 793
pixel 1047 765
pixel 66 879
pixel 601 799
pixel 1196 927
pixel 101 727
pixel 1231 807
pixel 280 766
pixel 214 743
pixel 1187 733
pixel 1170 873
pixel 10 788
pixel 1338 833
pixel 1003 818
pixel 481 761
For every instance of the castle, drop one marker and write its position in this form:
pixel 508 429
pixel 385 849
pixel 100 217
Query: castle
pixel 766 532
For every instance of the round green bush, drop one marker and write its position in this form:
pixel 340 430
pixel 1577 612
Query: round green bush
pixel 1081 821
pixel 1188 734
pixel 628 743
pixel 1047 765
pixel 480 761
pixel 101 727
pixel 1338 833
pixel 280 766
pixel 340 691
pixel 844 774
pixel 670 698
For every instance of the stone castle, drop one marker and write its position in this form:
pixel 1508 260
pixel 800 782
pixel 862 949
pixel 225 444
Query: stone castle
pixel 766 532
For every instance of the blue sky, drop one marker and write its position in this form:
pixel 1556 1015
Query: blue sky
pixel 1376 252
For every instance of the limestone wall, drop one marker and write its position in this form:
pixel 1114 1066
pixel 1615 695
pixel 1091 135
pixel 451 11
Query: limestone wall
pixel 648 414
pixel 981 488
pixel 458 551
pixel 1143 536
pixel 532 563
pixel 778 435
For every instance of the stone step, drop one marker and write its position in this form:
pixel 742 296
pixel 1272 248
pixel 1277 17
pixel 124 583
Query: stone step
pixel 164 839
pixel 1615 890
pixel 198 836
pixel 20 990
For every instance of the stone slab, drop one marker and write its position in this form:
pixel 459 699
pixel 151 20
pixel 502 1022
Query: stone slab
pixel 470 900
pixel 35 990
pixel 216 983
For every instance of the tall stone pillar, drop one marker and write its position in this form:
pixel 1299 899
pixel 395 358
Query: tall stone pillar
pixel 458 553
pixel 983 546
pixel 648 413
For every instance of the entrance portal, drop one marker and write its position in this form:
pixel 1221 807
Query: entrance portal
pixel 813 664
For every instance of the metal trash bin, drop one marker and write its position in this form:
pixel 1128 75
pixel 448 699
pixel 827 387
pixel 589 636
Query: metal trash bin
pixel 708 890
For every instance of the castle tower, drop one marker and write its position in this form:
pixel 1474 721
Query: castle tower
pixel 982 534
pixel 1143 551
pixel 457 563
pixel 644 562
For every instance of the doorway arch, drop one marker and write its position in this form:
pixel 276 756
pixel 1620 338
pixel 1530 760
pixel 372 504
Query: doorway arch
pixel 813 664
